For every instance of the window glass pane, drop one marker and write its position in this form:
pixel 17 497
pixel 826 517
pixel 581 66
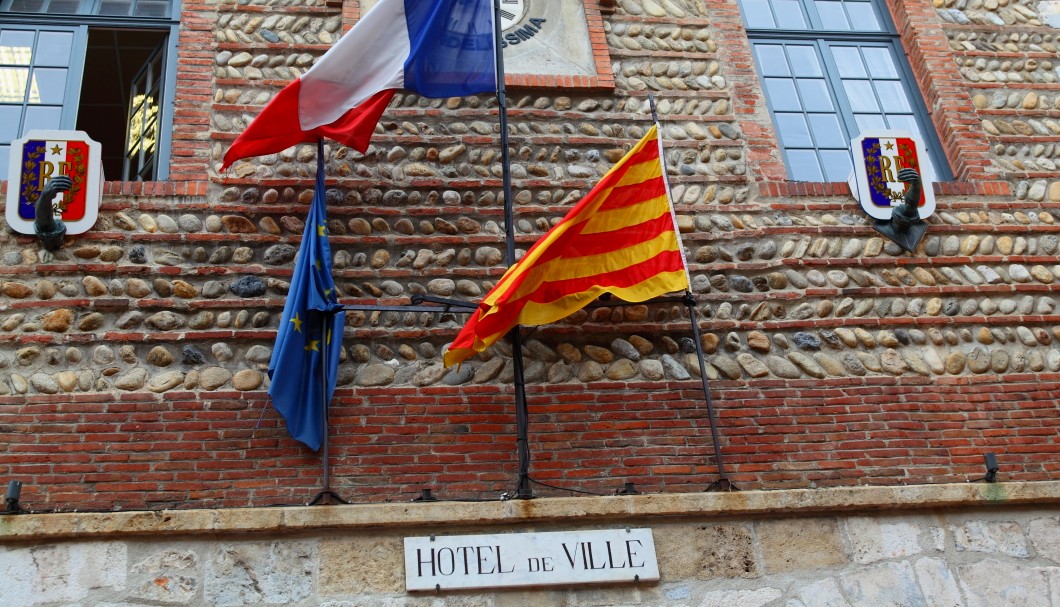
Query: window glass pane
pixel 5 157
pixel 771 60
pixel 863 17
pixel 904 123
pixel 13 84
pixel 16 47
pixel 67 7
pixel 50 85
pixel 804 166
pixel 782 95
pixel 861 96
pixel 794 132
pixel 833 17
pixel 27 6
pixel 152 9
pixel 815 95
pixel 43 117
pixel 893 97
pixel 757 14
pixel 827 132
pixel 114 7
pixel 53 49
pixel 804 60
pixel 869 122
pixel 880 62
pixel 837 165
pixel 10 117
pixel 789 14
pixel 848 61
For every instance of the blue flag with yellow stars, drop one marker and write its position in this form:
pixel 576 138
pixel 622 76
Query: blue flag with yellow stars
pixel 305 359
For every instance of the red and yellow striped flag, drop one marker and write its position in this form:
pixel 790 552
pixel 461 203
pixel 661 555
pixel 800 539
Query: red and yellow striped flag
pixel 619 239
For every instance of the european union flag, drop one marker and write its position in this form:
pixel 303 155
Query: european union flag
pixel 305 359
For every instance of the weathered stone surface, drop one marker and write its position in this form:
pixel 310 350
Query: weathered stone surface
pixel 1005 538
pixel 255 573
pixel 369 564
pixel 872 540
pixel 751 365
pixel 807 364
pixel 63 573
pixel 213 378
pixel 995 582
pixel 883 584
pixel 813 543
pixel 165 381
pixel 712 551
pixel 621 369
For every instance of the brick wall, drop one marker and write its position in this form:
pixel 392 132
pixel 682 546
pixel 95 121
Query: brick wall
pixel 229 450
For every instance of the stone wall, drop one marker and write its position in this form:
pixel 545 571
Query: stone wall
pixel 132 360
pixel 961 545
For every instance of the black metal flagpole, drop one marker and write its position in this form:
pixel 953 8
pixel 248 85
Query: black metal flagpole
pixel 723 482
pixel 522 417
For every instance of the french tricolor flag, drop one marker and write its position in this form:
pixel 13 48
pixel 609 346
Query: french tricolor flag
pixel 436 48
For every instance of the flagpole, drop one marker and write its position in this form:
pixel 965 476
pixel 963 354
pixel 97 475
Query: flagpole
pixel 522 416
pixel 326 496
pixel 723 483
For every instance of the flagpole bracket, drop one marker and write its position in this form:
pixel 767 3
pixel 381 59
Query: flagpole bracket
pixel 324 498
pixel 420 298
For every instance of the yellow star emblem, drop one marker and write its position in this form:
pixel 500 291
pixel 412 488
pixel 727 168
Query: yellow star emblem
pixel 297 323
pixel 890 145
pixel 313 345
pixel 321 230
pixel 57 150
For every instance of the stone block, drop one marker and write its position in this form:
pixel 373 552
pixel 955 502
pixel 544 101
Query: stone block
pixel 166 576
pixel 937 582
pixel 884 585
pixel 255 573
pixel 743 598
pixel 994 537
pixel 990 583
pixel 54 573
pixel 871 539
pixel 823 593
pixel 1045 536
pixel 706 552
pixel 799 544
pixel 361 564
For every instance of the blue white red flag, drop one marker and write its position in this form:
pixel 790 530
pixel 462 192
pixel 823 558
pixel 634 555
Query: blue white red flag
pixel 436 48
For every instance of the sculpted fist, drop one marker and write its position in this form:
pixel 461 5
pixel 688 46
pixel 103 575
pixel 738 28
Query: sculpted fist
pixel 50 230
pixel 906 213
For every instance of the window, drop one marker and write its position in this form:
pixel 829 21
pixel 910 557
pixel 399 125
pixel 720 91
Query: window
pixel 832 69
pixel 100 66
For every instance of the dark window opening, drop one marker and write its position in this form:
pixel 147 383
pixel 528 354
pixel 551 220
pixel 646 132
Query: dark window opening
pixel 114 100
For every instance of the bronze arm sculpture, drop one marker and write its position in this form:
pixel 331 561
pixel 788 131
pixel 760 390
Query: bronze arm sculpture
pixel 50 230
pixel 905 227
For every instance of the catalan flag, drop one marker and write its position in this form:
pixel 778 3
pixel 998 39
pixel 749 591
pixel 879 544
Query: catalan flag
pixel 619 239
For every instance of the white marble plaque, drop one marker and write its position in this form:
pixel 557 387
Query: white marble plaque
pixel 454 562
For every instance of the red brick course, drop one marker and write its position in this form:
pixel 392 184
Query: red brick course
pixel 192 450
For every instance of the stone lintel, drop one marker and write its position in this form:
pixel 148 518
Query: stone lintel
pixel 592 510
